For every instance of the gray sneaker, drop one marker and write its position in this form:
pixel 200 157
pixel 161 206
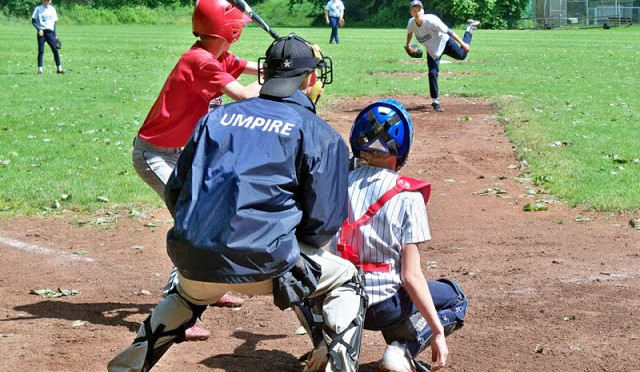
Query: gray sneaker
pixel 472 22
pixel 436 107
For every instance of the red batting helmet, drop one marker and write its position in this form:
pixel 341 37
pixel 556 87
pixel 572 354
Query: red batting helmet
pixel 218 18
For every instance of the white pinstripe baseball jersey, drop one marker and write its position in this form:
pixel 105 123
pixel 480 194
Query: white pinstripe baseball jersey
pixel 432 33
pixel 402 220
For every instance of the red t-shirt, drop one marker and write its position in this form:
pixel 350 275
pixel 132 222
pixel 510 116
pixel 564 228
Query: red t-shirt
pixel 197 78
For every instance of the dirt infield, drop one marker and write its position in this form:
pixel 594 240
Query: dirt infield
pixel 553 290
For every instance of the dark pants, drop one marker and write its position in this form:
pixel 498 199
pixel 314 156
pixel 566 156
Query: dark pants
pixel 50 37
pixel 398 307
pixel 453 50
pixel 335 23
pixel 399 319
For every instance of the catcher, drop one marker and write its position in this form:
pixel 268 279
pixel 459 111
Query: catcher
pixel 387 220
pixel 260 188
pixel 431 32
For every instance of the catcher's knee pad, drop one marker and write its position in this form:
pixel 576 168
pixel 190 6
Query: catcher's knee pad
pixel 165 326
pixel 415 332
pixel 343 312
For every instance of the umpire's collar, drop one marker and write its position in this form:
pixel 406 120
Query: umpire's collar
pixel 297 97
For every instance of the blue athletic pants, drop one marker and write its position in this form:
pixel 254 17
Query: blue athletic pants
pixel 50 37
pixel 453 50
pixel 335 23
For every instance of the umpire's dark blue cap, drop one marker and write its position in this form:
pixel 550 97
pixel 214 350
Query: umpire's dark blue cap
pixel 416 3
pixel 287 61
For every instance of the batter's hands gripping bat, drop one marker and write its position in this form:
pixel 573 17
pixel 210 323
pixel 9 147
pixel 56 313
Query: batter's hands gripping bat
pixel 246 9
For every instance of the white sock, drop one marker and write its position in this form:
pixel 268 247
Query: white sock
pixel 40 69
pixel 60 68
pixel 469 28
pixel 435 100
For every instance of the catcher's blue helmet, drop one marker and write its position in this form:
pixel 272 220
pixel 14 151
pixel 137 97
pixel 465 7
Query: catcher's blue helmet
pixel 384 126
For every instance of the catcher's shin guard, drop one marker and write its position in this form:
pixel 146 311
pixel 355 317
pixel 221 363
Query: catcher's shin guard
pixel 165 326
pixel 343 311
pixel 415 332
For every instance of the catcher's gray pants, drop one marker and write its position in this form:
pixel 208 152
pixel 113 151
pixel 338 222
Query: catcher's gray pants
pixel 341 307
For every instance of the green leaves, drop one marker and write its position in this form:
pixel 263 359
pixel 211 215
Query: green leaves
pixel 54 293
pixel 535 207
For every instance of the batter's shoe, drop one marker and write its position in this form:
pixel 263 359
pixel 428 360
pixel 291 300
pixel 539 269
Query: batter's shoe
pixel 436 107
pixel 229 300
pixel 196 333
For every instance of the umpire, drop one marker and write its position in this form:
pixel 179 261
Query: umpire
pixel 259 189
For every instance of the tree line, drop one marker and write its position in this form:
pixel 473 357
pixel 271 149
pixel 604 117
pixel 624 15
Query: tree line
pixel 494 14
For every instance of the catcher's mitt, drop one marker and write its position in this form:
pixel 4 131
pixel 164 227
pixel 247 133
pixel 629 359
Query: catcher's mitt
pixel 413 51
pixel 341 22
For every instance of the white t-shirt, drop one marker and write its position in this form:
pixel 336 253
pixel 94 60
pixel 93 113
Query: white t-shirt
pixel 402 220
pixel 335 8
pixel 432 34
pixel 45 16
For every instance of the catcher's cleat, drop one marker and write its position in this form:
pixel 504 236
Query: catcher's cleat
pixel 196 333
pixel 396 359
pixel 436 107
pixel 229 300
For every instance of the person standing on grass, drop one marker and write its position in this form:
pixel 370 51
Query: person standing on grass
pixel 437 38
pixel 334 15
pixel 202 75
pixel 44 19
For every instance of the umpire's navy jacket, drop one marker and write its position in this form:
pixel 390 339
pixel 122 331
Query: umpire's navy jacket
pixel 255 177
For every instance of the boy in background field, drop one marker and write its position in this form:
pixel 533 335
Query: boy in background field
pixel 44 19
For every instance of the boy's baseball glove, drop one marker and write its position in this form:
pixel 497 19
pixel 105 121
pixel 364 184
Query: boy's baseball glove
pixel 413 50
pixel 341 22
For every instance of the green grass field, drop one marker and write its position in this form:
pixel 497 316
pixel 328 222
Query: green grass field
pixel 65 141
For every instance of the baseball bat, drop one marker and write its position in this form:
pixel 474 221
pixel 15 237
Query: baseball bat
pixel 246 9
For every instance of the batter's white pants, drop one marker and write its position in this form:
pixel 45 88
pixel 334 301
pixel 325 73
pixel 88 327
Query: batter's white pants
pixel 154 164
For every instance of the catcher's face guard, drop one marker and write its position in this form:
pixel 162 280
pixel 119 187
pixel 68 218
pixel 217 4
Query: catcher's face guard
pixel 323 66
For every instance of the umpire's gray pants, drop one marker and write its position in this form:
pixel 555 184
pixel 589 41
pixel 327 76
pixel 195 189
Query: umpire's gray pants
pixel 340 306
